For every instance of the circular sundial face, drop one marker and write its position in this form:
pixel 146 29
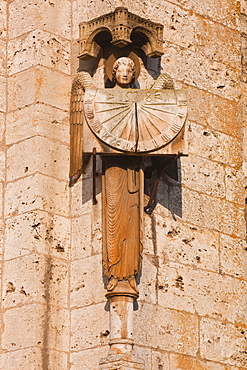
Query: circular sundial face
pixel 135 120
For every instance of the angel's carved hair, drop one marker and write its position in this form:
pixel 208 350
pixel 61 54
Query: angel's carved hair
pixel 126 61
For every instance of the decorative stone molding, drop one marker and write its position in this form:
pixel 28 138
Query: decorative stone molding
pixel 121 362
pixel 119 28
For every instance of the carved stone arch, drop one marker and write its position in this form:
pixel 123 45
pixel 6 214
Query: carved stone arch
pixel 152 46
pixel 119 26
pixel 90 45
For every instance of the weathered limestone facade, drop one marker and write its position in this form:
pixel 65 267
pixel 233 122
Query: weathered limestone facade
pixel 192 312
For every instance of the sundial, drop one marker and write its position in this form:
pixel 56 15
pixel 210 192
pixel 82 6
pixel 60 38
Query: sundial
pixel 135 121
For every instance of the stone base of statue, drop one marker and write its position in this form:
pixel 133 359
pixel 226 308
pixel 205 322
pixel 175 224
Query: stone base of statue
pixel 123 289
pixel 121 362
pixel 121 343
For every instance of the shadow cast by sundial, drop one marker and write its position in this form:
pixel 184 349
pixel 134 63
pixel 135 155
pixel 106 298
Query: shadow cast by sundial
pixel 168 194
pixel 163 185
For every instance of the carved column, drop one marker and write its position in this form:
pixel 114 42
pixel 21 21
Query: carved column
pixel 121 324
pixel 121 355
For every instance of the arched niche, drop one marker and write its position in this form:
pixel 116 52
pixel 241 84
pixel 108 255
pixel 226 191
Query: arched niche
pixel 120 28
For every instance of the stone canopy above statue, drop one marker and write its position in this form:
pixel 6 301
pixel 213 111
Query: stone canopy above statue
pixel 120 28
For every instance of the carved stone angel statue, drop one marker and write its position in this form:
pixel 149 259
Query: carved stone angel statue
pixel 123 194
pixel 122 186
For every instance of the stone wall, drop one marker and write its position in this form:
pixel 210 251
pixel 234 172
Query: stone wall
pixel 191 314
pixel 35 264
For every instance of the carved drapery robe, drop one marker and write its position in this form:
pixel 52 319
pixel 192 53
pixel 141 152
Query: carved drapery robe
pixel 122 207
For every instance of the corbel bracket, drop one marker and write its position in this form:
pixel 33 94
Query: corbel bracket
pixel 120 28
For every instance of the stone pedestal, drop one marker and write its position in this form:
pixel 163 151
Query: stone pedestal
pixel 121 318
pixel 121 362
pixel 121 325
pixel 121 356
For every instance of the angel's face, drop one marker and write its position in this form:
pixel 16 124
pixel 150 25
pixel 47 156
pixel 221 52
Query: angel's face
pixel 124 75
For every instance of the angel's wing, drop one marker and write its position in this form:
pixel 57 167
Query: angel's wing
pixel 164 81
pixel 81 81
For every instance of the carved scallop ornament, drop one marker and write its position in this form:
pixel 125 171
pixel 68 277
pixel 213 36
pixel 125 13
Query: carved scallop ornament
pixel 135 120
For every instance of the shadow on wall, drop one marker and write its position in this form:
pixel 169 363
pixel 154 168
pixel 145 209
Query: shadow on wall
pixel 162 184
